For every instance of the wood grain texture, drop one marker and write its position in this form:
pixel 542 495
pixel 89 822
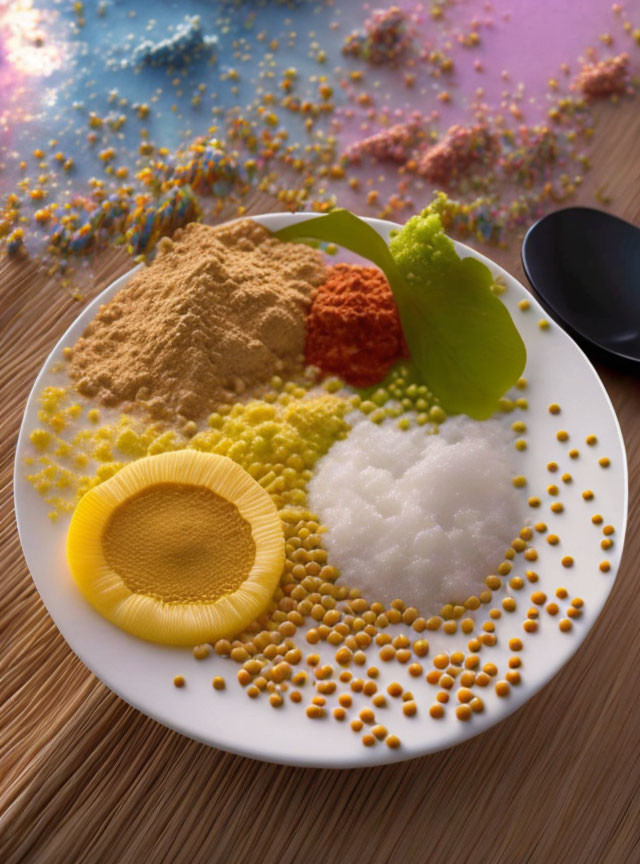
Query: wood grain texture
pixel 86 778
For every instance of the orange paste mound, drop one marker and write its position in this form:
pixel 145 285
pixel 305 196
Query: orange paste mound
pixel 353 329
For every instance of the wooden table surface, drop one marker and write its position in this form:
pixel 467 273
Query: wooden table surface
pixel 84 777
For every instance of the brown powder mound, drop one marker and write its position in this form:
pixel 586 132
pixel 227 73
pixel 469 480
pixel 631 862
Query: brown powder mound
pixel 219 311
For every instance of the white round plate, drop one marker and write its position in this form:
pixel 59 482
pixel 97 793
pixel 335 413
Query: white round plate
pixel 142 673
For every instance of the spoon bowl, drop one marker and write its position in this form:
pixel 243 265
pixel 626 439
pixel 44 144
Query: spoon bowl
pixel 584 264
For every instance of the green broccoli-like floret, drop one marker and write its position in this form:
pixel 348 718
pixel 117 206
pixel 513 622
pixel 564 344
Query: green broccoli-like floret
pixel 421 249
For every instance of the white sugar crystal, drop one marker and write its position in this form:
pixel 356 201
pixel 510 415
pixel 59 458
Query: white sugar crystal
pixel 421 517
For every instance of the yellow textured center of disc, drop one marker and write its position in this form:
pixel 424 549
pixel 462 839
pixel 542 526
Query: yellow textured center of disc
pixel 179 542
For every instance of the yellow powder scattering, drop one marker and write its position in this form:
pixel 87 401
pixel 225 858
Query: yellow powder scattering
pixel 276 441
pixel 40 439
pixel 219 311
pixel 103 473
pixel 103 452
pixel 51 400
pixel 131 444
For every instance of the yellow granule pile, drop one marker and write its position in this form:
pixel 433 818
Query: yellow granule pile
pixel 277 439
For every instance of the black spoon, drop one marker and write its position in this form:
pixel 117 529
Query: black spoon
pixel 584 264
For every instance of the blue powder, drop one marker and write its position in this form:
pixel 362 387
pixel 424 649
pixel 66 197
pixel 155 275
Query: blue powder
pixel 186 44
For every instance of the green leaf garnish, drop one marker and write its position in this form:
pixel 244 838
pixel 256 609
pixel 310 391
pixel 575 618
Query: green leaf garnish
pixel 460 335
pixel 345 229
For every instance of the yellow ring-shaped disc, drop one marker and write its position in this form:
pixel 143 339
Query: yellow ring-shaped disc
pixel 179 548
